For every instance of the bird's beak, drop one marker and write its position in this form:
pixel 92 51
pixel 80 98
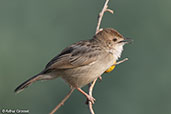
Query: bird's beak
pixel 126 40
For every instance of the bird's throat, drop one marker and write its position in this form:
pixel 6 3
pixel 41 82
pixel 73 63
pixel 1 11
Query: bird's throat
pixel 117 51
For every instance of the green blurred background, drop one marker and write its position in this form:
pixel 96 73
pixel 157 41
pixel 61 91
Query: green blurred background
pixel 34 31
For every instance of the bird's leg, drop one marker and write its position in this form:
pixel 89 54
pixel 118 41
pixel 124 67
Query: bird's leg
pixel 90 98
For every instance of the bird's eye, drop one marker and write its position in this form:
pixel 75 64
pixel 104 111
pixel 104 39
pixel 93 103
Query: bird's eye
pixel 114 39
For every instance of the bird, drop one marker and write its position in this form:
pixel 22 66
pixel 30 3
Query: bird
pixel 84 61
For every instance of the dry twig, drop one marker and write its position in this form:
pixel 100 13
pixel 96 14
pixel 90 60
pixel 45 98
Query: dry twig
pixel 91 94
pixel 121 61
pixel 62 102
pixel 105 9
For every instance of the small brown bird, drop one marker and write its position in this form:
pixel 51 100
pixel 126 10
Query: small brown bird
pixel 84 61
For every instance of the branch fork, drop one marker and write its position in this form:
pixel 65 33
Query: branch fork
pixel 105 9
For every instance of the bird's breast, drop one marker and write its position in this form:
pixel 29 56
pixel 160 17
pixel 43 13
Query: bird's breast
pixel 83 75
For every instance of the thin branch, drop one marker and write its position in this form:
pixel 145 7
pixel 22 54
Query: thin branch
pixel 119 62
pixel 91 94
pixel 105 9
pixel 109 10
pixel 62 102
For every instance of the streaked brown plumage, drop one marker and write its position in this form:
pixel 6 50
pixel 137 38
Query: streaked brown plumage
pixel 84 61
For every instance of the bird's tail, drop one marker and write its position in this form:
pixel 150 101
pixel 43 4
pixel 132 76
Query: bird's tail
pixel 28 82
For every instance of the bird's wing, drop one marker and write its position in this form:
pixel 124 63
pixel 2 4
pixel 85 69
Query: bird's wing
pixel 76 55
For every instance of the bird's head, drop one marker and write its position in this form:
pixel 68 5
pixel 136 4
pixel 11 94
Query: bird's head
pixel 112 40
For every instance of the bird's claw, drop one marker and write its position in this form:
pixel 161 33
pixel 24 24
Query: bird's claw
pixel 91 99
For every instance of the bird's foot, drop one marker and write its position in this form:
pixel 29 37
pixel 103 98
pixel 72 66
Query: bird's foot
pixel 91 99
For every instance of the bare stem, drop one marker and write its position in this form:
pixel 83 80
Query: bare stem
pixel 91 94
pixel 119 62
pixel 62 102
pixel 105 9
